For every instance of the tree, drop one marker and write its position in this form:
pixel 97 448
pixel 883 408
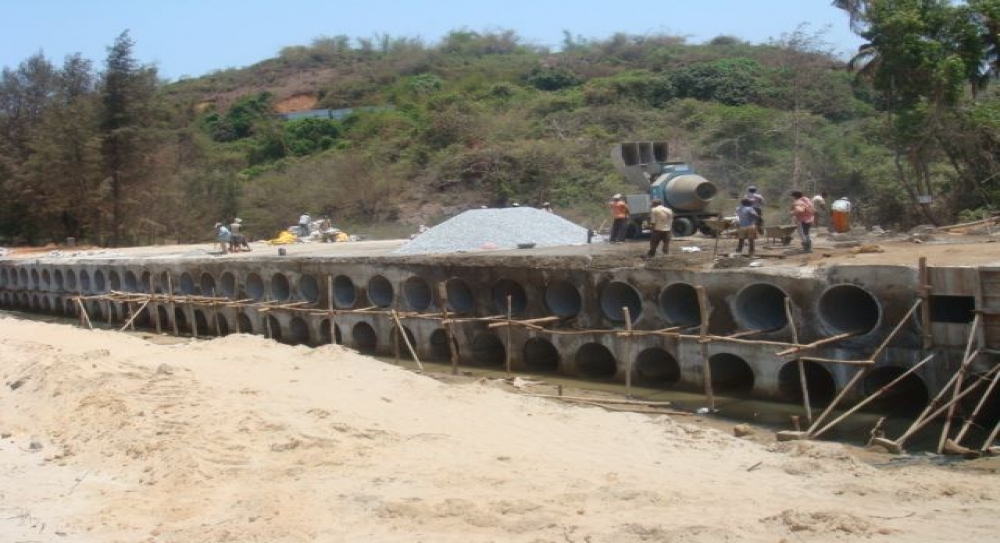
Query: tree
pixel 127 93
pixel 920 55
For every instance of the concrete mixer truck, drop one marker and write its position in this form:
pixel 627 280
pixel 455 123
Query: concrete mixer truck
pixel 644 164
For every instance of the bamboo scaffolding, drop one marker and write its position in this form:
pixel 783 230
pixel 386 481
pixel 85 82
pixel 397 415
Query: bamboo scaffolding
pixel 818 343
pixel 508 346
pixel 897 445
pixel 401 332
pixel 801 365
pixel 706 367
pixel 966 361
pixel 975 412
pixel 134 315
pixel 857 376
pixel 628 352
pixel 329 309
pixel 872 397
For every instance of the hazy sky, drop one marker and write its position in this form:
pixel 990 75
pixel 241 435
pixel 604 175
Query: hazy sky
pixel 194 37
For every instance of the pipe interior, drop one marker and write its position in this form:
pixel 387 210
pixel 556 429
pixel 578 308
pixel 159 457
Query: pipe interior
pixel 761 306
pixel 618 295
pixel 563 298
pixel 848 308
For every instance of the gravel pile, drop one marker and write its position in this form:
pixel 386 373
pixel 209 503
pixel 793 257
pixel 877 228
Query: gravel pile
pixel 492 229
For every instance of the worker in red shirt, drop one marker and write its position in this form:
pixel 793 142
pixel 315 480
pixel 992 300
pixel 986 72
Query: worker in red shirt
pixel 619 218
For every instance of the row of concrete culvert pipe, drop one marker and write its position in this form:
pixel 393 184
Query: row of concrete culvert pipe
pixel 588 309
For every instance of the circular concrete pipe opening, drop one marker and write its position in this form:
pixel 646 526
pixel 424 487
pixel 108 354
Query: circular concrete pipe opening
pixel 848 308
pixel 280 288
pixel 100 284
pixel 819 383
pixel 114 281
pixel 488 350
pixel 563 298
pixel 208 287
pixel 460 298
pixel 595 361
pixel 165 284
pixel 344 293
pixel 71 280
pixel 417 293
pixel 380 291
pixel 518 299
pixel 906 398
pixel 187 285
pixel 163 316
pixel 540 355
pixel 679 305
pixel 273 328
pixel 46 304
pixel 440 346
pixel 220 320
pixel 144 284
pixel 324 333
pixel 22 278
pixel 298 332
pixel 180 317
pixel 94 309
pixel 201 326
pixel 3 277
pixel 35 281
pixel 731 374
pixel 244 324
pixel 363 338
pixel 34 304
pixel 761 306
pixel 227 285
pixel 616 296
pixel 309 288
pixel 59 281
pixel 46 279
pixel 59 306
pixel 84 282
pixel 255 287
pixel 656 366
pixel 400 343
pixel 131 282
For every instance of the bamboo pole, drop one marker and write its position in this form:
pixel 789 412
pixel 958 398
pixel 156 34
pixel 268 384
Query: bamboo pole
pixel 966 361
pixel 991 438
pixel 402 333
pixel 507 350
pixel 329 308
pixel 522 322
pixel 628 352
pixel 975 412
pixel 604 400
pixel 836 361
pixel 864 370
pixel 817 343
pixel 802 365
pixel 156 310
pixel 926 420
pixel 84 318
pixel 854 408
pixel 170 302
pixel 924 291
pixel 134 315
pixel 706 368
pixel 446 324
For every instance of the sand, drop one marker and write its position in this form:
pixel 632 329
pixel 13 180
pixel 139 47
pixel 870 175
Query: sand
pixel 108 437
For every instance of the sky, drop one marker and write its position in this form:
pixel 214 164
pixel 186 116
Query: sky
pixel 190 38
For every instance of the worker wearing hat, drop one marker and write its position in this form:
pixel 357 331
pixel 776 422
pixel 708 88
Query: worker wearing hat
pixel 757 203
pixel 619 218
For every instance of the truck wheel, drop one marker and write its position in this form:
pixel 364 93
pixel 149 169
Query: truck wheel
pixel 707 230
pixel 683 227
pixel 633 230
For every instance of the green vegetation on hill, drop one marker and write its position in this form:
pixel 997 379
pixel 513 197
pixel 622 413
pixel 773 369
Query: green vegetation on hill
pixel 116 157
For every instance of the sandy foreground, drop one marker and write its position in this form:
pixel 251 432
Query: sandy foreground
pixel 110 438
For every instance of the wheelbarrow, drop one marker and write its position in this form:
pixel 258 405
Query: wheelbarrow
pixel 781 233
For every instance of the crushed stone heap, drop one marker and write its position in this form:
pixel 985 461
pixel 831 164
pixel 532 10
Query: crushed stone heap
pixel 492 229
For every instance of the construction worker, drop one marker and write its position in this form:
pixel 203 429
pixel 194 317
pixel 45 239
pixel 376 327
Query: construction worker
pixel 619 218
pixel 804 214
pixel 661 219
